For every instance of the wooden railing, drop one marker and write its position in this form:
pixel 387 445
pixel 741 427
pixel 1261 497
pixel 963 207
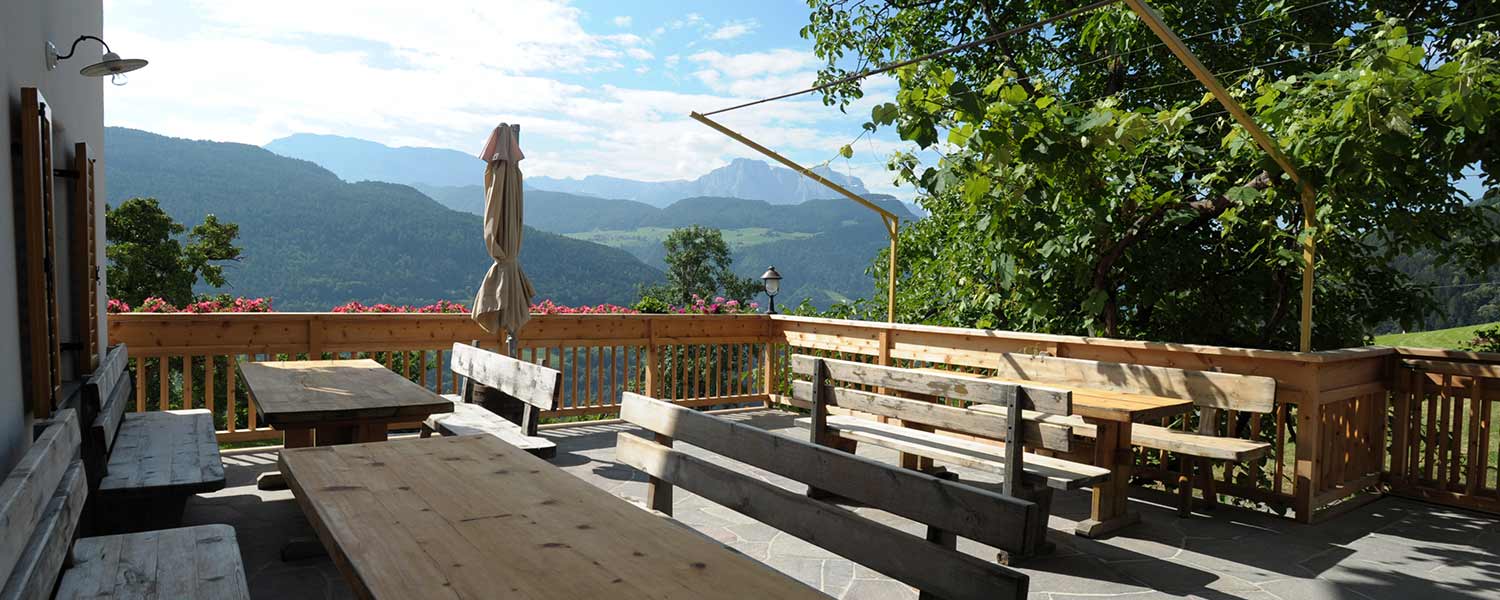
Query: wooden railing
pixel 188 360
pixel 1335 433
pixel 1443 445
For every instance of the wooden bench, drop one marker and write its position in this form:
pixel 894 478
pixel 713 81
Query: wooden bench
pixel 143 466
pixel 1017 421
pixel 502 397
pixel 41 505
pixel 1212 392
pixel 949 509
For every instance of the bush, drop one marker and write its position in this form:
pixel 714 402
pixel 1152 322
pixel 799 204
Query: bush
pixel 1485 340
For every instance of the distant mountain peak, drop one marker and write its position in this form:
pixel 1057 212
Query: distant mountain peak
pixel 354 159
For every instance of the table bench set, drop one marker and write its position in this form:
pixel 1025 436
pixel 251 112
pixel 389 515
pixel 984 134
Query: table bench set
pixel 124 474
pixel 435 516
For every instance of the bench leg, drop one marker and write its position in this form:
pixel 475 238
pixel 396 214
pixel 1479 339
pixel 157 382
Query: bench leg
pixel 838 443
pixel 426 431
pixel 1206 475
pixel 944 539
pixel 1184 495
pixel 1036 530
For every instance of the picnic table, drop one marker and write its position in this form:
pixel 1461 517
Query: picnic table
pixel 327 402
pixel 1113 413
pixel 474 517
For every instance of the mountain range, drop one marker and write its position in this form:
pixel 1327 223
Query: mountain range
pixel 361 160
pixel 312 240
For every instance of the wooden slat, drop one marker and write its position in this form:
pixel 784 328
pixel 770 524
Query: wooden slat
pixel 231 404
pixel 46 552
pixel 968 389
pixel 1051 436
pixel 210 372
pixel 164 453
pixel 1464 369
pixel 140 383
pixel 534 385
pixel 1053 472
pixel 472 419
pixel 201 562
pixel 31 483
pixel 904 557
pixel 970 512
pixel 163 380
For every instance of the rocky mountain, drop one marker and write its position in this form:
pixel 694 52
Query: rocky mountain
pixel 354 159
pixel 741 178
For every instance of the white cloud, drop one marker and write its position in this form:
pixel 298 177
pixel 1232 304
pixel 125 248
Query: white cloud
pixel 376 70
pixel 622 21
pixel 734 29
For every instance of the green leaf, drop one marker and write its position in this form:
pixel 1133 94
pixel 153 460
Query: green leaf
pixel 846 151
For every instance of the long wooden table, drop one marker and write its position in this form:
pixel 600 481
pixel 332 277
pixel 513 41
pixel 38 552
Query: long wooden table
pixel 473 517
pixel 326 402
pixel 1113 413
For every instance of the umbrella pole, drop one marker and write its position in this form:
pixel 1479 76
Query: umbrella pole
pixel 511 343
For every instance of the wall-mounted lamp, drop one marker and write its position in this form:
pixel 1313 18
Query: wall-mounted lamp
pixel 772 281
pixel 110 64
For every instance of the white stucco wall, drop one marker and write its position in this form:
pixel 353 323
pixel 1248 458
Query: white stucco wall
pixel 78 115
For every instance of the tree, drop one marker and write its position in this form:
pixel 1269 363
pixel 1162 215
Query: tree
pixel 698 263
pixel 146 257
pixel 1088 185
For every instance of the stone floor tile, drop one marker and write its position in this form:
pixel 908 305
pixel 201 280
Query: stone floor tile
pixel 876 589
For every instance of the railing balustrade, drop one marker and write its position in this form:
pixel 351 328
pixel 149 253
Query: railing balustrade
pixel 1346 423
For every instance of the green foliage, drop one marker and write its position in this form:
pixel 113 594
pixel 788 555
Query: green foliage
pixel 313 241
pixel 1453 338
pixel 652 305
pixel 147 257
pixel 1088 185
pixel 1485 340
pixel 698 265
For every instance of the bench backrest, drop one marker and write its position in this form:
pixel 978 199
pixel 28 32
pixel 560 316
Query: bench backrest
pixel 41 502
pixel 106 395
pixel 521 384
pixel 945 506
pixel 1208 389
pixel 829 381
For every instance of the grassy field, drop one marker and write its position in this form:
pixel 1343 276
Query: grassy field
pixel 654 235
pixel 1440 338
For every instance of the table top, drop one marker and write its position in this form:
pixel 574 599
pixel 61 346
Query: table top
pixel 1107 405
pixel 473 517
pixel 313 392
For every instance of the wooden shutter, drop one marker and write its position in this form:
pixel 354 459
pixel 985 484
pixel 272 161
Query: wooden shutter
pixel 41 355
pixel 84 259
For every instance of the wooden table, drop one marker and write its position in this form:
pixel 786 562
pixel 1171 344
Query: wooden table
pixel 326 402
pixel 473 517
pixel 1112 413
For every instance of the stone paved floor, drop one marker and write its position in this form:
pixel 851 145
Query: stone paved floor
pixel 1389 549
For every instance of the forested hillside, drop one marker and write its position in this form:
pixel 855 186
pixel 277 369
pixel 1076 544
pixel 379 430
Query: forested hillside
pixel 312 241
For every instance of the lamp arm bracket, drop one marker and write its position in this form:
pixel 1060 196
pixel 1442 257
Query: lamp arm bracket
pixel 80 40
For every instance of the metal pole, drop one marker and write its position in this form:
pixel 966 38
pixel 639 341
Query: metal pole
pixel 891 220
pixel 1308 196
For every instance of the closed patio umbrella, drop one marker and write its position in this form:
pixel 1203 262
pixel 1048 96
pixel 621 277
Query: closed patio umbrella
pixel 504 298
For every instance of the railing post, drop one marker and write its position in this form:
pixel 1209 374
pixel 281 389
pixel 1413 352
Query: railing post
pixel 1309 444
pixel 314 338
pixel 653 361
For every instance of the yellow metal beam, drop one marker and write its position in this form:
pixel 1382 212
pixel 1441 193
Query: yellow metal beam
pixel 1306 194
pixel 892 222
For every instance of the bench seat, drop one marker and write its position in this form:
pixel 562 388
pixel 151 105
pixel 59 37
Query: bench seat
pixel 1052 472
pixel 186 562
pixel 1157 437
pixel 473 419
pixel 158 453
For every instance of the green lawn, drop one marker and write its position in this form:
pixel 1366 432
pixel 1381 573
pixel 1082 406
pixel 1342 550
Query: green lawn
pixel 1440 338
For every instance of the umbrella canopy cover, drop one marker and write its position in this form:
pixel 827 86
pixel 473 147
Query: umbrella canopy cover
pixel 504 298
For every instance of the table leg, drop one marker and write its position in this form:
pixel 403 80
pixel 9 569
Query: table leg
pixel 333 435
pixel 291 437
pixel 1109 509
pixel 371 432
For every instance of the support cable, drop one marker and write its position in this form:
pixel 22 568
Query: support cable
pixel 930 55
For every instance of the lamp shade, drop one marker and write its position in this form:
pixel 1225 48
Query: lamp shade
pixel 772 281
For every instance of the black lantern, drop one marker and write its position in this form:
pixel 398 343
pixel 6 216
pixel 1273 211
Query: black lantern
pixel 772 281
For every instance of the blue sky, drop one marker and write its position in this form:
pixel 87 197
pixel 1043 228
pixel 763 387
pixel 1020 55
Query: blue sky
pixel 599 87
